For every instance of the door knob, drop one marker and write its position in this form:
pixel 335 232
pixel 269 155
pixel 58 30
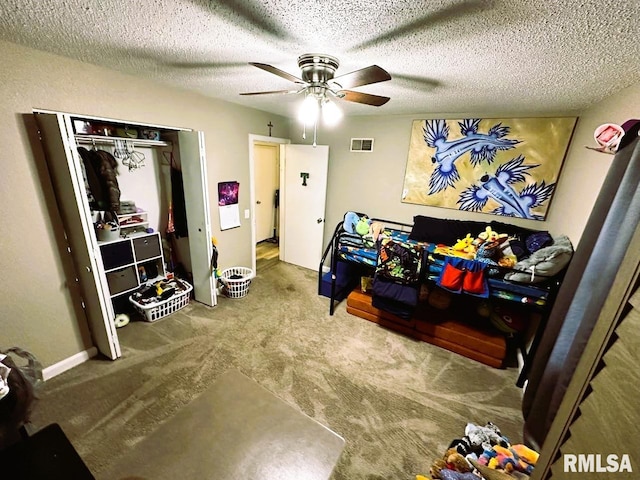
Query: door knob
pixel 319 220
pixel 258 202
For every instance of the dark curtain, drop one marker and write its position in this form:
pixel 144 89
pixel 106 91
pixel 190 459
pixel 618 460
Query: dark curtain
pixel 585 288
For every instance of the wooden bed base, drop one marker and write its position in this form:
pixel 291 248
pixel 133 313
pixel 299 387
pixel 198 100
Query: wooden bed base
pixel 476 341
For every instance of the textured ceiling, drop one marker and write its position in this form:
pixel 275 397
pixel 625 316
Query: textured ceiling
pixel 525 57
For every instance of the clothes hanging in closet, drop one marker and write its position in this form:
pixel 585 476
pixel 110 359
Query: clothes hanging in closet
pixel 101 173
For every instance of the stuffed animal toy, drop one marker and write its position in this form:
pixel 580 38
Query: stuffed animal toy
pixel 362 227
pixel 455 461
pixel 493 474
pixel 437 467
pixel 489 252
pixel 476 439
pixel 503 459
pixel 465 248
pixel 490 235
pixel 351 219
pixel 508 319
pixel 507 261
pixel 483 438
pixel 451 460
pixel 462 244
pixel 375 229
pixel 508 459
pixel 462 446
pixel 525 453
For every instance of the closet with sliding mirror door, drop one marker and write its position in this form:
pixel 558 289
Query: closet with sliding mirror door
pixel 159 224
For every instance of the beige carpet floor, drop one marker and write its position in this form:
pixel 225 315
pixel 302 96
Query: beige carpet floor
pixel 396 401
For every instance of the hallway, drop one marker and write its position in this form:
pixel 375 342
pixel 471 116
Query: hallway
pixel 267 255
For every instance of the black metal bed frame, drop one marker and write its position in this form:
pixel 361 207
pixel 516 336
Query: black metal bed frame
pixel 527 354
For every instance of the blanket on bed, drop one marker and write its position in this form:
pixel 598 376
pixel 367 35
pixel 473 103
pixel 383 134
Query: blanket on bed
pixel 399 261
pixel 397 276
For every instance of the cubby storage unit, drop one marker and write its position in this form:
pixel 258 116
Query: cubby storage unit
pixel 132 261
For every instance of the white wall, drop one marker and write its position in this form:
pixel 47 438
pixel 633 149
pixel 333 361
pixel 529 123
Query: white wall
pixel 145 186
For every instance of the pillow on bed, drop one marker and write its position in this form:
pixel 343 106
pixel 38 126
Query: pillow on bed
pixel 439 230
pixel 543 263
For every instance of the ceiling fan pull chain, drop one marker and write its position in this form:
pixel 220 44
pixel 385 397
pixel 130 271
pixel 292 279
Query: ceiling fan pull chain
pixel 304 131
pixel 315 132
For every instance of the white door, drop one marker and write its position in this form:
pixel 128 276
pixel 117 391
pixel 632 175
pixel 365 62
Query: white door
pixel 71 197
pixel 267 175
pixel 196 197
pixel 304 188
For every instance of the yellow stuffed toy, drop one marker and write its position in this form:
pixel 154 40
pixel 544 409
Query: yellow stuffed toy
pixel 464 247
pixel 489 235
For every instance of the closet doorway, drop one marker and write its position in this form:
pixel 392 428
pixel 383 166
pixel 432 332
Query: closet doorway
pixel 264 160
pixel 104 290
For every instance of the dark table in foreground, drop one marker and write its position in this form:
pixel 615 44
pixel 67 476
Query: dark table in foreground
pixel 47 454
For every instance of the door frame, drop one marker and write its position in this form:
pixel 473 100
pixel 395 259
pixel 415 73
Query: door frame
pixel 252 189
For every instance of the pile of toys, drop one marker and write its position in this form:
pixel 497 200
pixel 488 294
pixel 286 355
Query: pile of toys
pixel 488 246
pixel 483 453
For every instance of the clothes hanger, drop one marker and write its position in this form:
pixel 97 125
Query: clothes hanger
pixel 125 152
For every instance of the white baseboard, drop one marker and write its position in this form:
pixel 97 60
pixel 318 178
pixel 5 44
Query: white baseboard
pixel 68 363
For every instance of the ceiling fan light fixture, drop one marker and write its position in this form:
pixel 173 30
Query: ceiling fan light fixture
pixel 309 110
pixel 331 114
pixel 318 83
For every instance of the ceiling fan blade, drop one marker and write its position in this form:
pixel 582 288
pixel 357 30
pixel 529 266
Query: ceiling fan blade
pixel 364 76
pixel 366 98
pixel 277 71
pixel 270 92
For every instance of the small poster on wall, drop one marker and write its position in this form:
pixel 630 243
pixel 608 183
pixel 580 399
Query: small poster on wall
pixel 228 205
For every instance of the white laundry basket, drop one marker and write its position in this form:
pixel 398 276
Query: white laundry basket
pixel 156 311
pixel 236 281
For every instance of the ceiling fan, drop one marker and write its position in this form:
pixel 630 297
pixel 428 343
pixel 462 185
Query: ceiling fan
pixel 317 80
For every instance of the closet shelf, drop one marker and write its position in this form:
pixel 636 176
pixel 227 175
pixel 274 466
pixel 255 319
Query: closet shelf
pixel 125 220
pixel 100 139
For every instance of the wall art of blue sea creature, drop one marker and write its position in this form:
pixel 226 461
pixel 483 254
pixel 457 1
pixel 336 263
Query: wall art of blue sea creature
pixel 499 187
pixel 481 146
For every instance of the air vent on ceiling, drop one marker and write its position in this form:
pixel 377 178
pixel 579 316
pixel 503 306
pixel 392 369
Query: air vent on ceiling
pixel 362 144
